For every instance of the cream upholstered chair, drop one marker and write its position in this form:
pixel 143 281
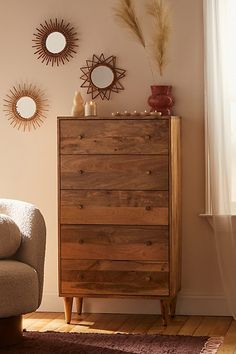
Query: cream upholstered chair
pixel 22 252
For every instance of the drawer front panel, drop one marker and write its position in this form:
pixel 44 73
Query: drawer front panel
pixel 115 243
pixel 114 137
pixel 117 172
pixel 114 207
pixel 91 277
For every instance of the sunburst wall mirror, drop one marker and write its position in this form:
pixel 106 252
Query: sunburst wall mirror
pixel 101 76
pixel 25 106
pixel 55 41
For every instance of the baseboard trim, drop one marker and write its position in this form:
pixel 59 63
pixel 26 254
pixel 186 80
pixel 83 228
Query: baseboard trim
pixel 187 304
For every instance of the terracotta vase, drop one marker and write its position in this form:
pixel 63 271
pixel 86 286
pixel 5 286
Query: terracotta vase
pixel 161 99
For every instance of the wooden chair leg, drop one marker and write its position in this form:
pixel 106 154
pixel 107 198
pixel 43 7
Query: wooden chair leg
pixel 164 311
pixel 79 304
pixel 68 303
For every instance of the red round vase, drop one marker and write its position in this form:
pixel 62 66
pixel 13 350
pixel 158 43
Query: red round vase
pixel 161 99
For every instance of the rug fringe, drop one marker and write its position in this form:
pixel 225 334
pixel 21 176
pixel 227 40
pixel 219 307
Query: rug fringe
pixel 212 345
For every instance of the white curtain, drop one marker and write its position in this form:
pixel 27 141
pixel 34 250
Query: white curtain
pixel 219 56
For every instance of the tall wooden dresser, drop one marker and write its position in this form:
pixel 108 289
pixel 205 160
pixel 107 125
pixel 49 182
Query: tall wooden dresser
pixel 119 209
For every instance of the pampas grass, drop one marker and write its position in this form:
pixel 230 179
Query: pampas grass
pixel 159 12
pixel 125 14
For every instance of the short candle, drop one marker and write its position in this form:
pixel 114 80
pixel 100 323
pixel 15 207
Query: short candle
pixel 90 109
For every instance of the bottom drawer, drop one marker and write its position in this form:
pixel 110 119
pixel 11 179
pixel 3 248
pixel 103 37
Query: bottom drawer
pixel 104 277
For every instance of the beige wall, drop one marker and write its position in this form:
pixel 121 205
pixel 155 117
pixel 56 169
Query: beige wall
pixel 28 160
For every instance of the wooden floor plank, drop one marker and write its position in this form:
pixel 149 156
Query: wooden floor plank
pixel 117 320
pixel 157 326
pixel 130 324
pixel 205 326
pixel 43 322
pixel 91 324
pixel 221 327
pixel 229 345
pixel 190 326
pixel 78 323
pixel 145 324
pixel 54 324
pixel 174 325
pixel 36 317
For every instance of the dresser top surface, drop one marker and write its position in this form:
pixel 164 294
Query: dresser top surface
pixel 117 118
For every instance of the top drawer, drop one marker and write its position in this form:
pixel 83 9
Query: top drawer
pixel 88 136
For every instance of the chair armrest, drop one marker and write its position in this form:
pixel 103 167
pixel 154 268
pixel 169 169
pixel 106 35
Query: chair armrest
pixel 33 230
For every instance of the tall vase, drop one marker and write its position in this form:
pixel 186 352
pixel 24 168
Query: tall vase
pixel 161 99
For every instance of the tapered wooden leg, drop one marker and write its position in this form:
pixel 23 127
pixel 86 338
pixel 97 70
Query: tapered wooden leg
pixel 164 311
pixel 79 304
pixel 68 303
pixel 173 306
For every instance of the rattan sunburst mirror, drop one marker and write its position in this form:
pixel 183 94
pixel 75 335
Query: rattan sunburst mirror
pixel 25 106
pixel 55 41
pixel 101 76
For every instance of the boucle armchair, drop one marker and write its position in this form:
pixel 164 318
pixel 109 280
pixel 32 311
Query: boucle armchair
pixel 22 252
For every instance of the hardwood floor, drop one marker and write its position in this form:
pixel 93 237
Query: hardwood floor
pixel 112 323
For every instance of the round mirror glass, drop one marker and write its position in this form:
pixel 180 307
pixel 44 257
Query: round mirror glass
pixel 55 42
pixel 26 107
pixel 102 76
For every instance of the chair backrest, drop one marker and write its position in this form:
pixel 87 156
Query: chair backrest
pixel 33 230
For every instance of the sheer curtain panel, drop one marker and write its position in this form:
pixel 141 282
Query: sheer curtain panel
pixel 218 137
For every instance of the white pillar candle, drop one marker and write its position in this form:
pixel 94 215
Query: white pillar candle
pixel 90 109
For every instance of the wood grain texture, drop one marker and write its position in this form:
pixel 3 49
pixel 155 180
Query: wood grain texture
pixel 119 216
pixel 79 305
pixel 58 196
pixel 68 303
pixel 130 172
pixel 109 198
pixel 87 278
pixel 175 214
pixel 104 265
pixel 115 118
pixel 114 137
pixel 115 243
pixel 114 207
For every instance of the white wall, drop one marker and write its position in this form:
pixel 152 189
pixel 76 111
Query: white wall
pixel 28 160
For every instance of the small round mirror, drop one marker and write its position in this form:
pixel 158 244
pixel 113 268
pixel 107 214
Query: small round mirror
pixel 26 107
pixel 102 76
pixel 55 42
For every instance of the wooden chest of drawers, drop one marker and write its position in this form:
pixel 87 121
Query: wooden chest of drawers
pixel 119 209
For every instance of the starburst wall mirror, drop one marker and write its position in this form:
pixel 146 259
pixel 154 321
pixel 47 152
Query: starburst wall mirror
pixel 25 106
pixel 55 41
pixel 102 77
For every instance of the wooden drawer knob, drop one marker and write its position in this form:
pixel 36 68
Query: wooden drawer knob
pixel 147 137
pixel 81 172
pixel 81 137
pixel 147 207
pixel 81 241
pixel 149 243
pixel 148 278
pixel 148 172
pixel 81 206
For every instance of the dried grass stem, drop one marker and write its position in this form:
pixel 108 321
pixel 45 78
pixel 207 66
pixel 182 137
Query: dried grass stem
pixel 125 14
pixel 161 34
